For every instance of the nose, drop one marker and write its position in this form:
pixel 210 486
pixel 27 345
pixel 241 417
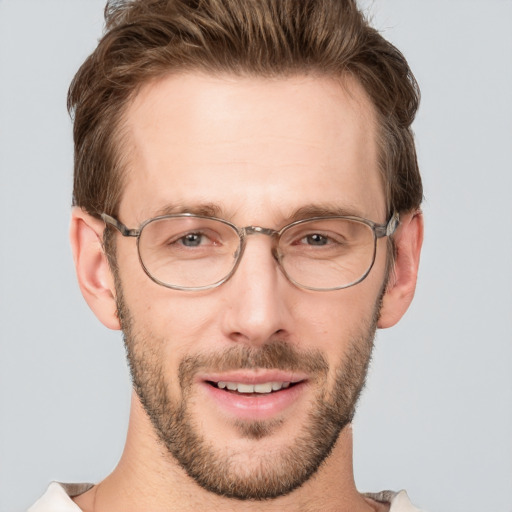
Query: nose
pixel 258 296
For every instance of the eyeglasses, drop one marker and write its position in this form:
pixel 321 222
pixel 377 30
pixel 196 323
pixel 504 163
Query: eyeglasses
pixel 195 252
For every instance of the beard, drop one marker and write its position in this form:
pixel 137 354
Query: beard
pixel 227 472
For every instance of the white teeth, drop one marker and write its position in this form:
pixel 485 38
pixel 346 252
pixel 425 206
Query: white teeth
pixel 245 388
pixel 263 388
pixel 266 387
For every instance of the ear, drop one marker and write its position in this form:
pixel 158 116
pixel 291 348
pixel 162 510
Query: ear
pixel 92 269
pixel 402 280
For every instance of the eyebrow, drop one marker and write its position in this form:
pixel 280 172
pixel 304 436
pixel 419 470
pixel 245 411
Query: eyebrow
pixel 307 211
pixel 204 209
pixel 323 210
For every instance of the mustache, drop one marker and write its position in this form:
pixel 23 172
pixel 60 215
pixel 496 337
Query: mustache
pixel 272 355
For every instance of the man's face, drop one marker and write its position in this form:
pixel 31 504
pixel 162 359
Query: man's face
pixel 254 152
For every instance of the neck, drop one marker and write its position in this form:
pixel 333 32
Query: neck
pixel 149 478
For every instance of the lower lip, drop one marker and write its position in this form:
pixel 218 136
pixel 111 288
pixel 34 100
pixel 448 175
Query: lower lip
pixel 255 406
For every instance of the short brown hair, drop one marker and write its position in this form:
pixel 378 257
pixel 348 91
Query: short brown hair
pixel 147 39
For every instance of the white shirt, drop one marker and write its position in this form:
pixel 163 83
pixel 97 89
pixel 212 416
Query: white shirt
pixel 57 499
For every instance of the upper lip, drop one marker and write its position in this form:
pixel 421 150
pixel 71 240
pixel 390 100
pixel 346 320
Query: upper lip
pixel 254 376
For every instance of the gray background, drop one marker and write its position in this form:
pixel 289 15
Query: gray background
pixel 436 417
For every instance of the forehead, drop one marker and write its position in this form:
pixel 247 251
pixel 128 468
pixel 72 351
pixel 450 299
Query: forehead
pixel 255 148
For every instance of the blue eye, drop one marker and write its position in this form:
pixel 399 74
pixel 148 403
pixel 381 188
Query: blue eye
pixel 316 239
pixel 192 239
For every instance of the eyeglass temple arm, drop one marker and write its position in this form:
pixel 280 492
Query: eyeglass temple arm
pixel 389 228
pixel 119 226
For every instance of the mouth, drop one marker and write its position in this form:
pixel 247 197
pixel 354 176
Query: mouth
pixel 254 395
pixel 242 388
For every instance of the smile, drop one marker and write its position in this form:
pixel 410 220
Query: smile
pixel 254 395
pixel 262 388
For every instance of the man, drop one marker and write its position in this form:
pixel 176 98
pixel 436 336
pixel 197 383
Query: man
pixel 246 210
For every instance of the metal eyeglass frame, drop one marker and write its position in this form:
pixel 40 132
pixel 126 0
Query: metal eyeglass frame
pixel 379 231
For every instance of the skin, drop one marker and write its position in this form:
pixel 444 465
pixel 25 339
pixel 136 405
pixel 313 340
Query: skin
pixel 259 149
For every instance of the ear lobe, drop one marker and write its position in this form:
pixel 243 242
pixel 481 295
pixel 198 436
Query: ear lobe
pixel 402 280
pixel 92 269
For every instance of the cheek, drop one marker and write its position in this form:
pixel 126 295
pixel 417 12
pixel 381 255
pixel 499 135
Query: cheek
pixel 335 321
pixel 333 315
pixel 175 323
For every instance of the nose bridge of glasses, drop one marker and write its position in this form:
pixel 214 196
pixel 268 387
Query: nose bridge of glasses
pixel 254 230
pixel 258 230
